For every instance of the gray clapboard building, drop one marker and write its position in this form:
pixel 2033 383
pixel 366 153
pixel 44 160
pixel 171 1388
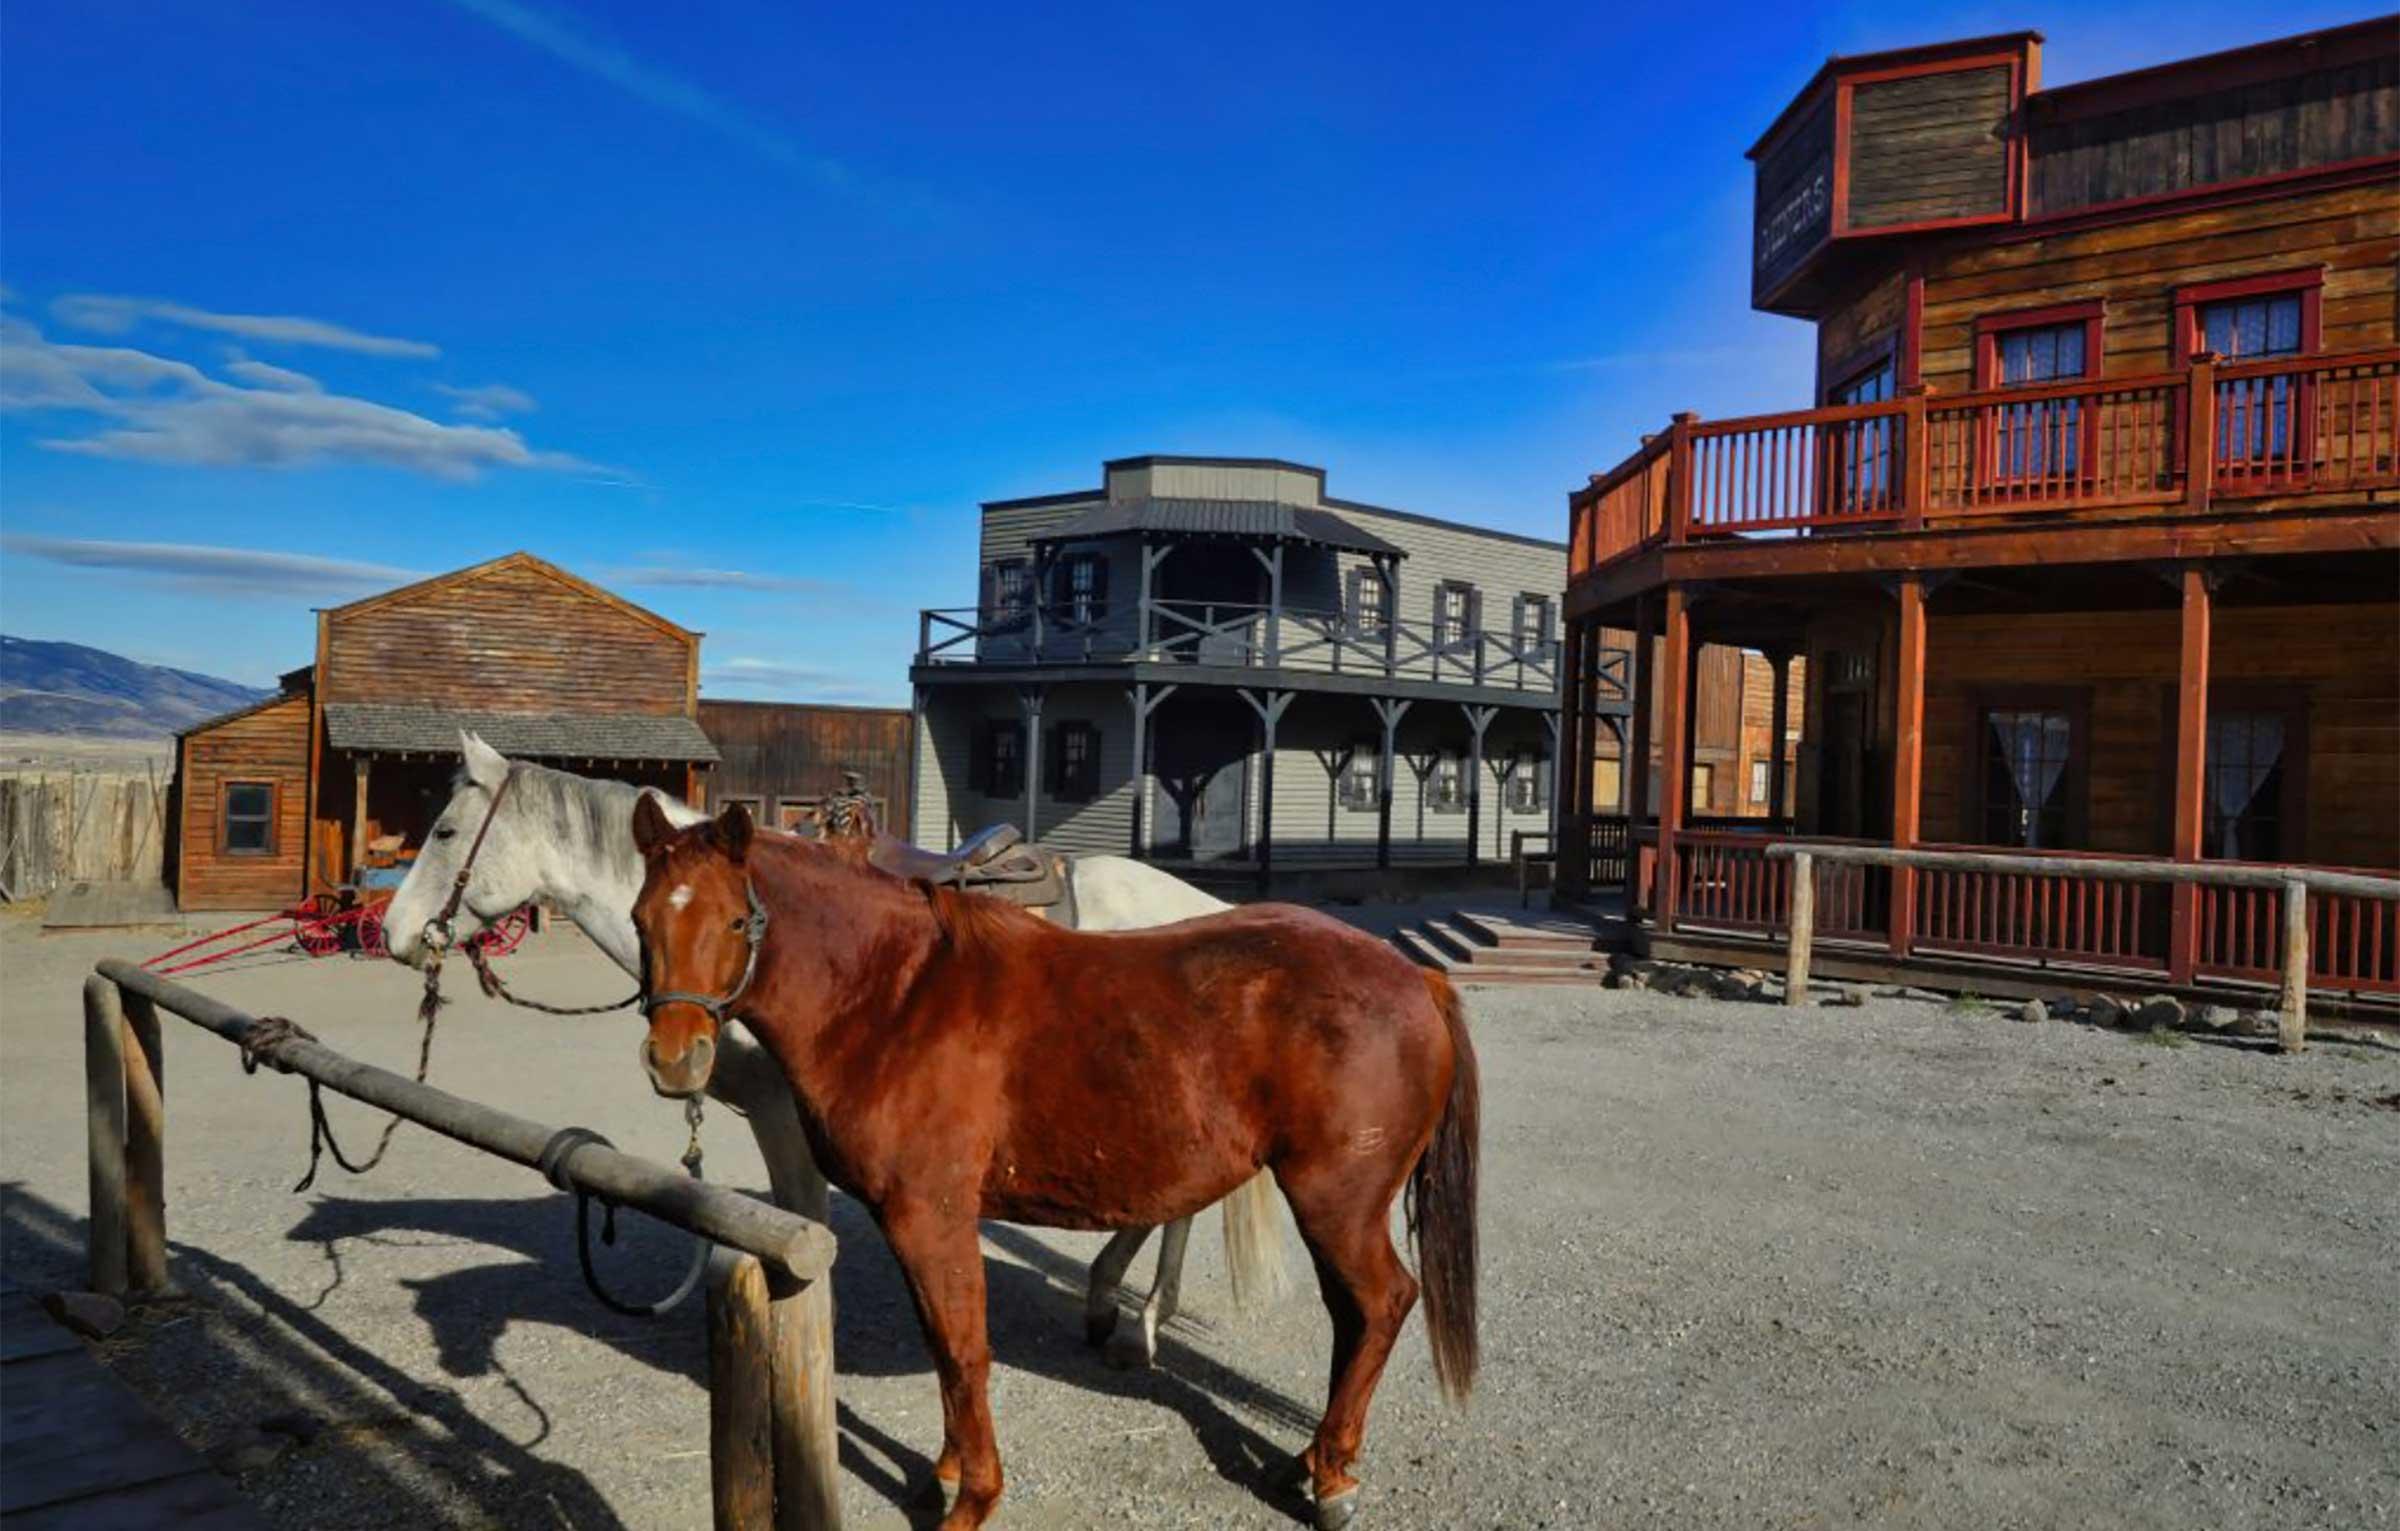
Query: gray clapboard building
pixel 1208 662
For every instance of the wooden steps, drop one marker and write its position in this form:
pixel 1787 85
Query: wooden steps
pixel 1490 946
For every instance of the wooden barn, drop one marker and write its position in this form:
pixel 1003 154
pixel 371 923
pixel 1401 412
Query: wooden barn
pixel 286 798
pixel 2088 540
pixel 780 759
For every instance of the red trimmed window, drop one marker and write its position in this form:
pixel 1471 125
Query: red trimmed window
pixel 2257 319
pixel 2044 441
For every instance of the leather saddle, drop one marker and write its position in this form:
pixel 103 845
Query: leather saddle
pixel 998 861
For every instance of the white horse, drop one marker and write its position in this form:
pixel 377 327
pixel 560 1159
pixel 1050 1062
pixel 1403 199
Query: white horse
pixel 568 840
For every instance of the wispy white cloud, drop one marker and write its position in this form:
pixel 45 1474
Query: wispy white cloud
pixel 487 401
pixel 788 682
pixel 683 577
pixel 157 409
pixel 244 571
pixel 111 315
pixel 565 41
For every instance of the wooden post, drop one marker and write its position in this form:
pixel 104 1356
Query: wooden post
pixel 358 816
pixel 104 1120
pixel 1804 928
pixel 741 1390
pixel 1388 573
pixel 1915 461
pixel 2291 1028
pixel 808 1468
pixel 2191 773
pixel 1269 706
pixel 1908 756
pixel 1675 770
pixel 1779 725
pixel 1138 698
pixel 1029 702
pixel 2200 432
pixel 1679 477
pixel 145 1148
pixel 1634 769
pixel 1389 713
pixel 1478 720
pixel 1569 795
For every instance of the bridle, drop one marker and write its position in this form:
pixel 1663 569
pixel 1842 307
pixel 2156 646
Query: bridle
pixel 438 934
pixel 720 1006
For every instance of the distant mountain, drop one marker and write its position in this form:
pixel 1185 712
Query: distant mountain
pixel 65 688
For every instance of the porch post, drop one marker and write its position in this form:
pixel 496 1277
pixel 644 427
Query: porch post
pixel 1029 698
pixel 1273 563
pixel 2185 842
pixel 1269 706
pixel 1676 769
pixel 1388 572
pixel 358 816
pixel 1566 776
pixel 1389 713
pixel 1779 724
pixel 1908 755
pixel 1634 769
pixel 1691 731
pixel 1145 700
pixel 1478 719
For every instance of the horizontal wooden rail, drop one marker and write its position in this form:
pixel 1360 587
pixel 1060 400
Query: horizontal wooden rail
pixel 2223 874
pixel 785 1242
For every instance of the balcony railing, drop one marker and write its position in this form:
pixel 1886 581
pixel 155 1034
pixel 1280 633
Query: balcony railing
pixel 2277 428
pixel 1235 635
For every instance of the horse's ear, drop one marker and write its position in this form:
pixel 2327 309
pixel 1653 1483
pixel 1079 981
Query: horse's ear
pixel 733 829
pixel 486 767
pixel 650 827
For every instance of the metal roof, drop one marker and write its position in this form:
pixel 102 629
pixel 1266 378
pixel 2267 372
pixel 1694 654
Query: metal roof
pixel 1224 518
pixel 539 736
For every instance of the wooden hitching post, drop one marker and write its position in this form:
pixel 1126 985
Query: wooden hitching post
pixel 145 1148
pixel 1804 928
pixel 104 1117
pixel 2291 1031
pixel 741 1445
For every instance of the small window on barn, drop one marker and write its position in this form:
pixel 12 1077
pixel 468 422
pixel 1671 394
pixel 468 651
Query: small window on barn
pixel 249 813
pixel 1074 762
pixel 1360 787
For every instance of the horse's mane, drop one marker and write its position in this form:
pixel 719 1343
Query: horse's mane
pixel 589 814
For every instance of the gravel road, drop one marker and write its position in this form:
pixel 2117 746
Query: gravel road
pixel 1888 1266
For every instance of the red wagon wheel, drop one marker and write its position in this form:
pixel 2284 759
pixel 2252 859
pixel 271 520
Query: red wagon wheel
pixel 370 932
pixel 317 925
pixel 507 933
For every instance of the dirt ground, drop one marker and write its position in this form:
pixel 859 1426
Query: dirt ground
pixel 1891 1266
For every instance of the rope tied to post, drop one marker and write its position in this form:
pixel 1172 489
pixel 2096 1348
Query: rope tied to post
pixel 264 1043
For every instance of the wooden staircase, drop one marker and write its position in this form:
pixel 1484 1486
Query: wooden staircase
pixel 1495 946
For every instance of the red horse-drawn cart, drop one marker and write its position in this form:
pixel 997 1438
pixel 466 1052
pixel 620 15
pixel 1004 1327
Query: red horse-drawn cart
pixel 323 925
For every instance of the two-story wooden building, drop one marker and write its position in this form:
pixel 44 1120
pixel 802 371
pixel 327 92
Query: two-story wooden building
pixel 1208 662
pixel 2091 539
pixel 285 797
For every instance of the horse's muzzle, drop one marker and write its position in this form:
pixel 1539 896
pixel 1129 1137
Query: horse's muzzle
pixel 677 1078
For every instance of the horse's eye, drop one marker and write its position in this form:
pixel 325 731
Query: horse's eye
pixel 444 833
pixel 739 925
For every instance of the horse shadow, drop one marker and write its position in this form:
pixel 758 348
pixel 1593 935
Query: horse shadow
pixel 1034 1298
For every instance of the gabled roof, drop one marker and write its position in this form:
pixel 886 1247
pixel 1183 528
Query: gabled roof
pixel 508 561
pixel 289 693
pixel 1224 518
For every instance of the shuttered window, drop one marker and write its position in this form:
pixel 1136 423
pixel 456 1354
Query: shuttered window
pixel 1453 612
pixel 1528 788
pixel 1359 788
pixel 1370 604
pixel 1074 762
pixel 1083 588
pixel 1000 759
pixel 1446 788
pixel 248 810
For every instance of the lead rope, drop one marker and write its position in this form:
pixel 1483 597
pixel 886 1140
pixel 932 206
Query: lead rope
pixel 562 1148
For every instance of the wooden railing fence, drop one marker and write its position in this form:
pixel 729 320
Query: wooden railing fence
pixel 772 1437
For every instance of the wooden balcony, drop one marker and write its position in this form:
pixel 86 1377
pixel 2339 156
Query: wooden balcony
pixel 2279 432
pixel 1219 636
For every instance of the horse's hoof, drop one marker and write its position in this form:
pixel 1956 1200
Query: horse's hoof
pixel 1335 1513
pixel 1131 1355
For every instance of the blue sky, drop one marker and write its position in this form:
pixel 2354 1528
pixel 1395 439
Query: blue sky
pixel 740 306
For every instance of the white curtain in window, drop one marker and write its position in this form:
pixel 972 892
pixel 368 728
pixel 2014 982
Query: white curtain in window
pixel 2034 744
pixel 2242 751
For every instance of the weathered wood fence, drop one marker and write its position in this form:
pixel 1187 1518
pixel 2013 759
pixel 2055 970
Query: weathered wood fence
pixel 72 825
pixel 2292 885
pixel 772 1441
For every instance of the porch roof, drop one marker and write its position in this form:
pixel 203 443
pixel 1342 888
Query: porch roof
pixel 1225 518
pixel 381 726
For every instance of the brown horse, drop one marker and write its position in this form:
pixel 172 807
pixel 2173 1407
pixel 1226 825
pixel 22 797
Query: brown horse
pixel 955 1059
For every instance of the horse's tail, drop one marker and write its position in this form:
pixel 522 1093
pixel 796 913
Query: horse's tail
pixel 1254 1242
pixel 1441 1206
